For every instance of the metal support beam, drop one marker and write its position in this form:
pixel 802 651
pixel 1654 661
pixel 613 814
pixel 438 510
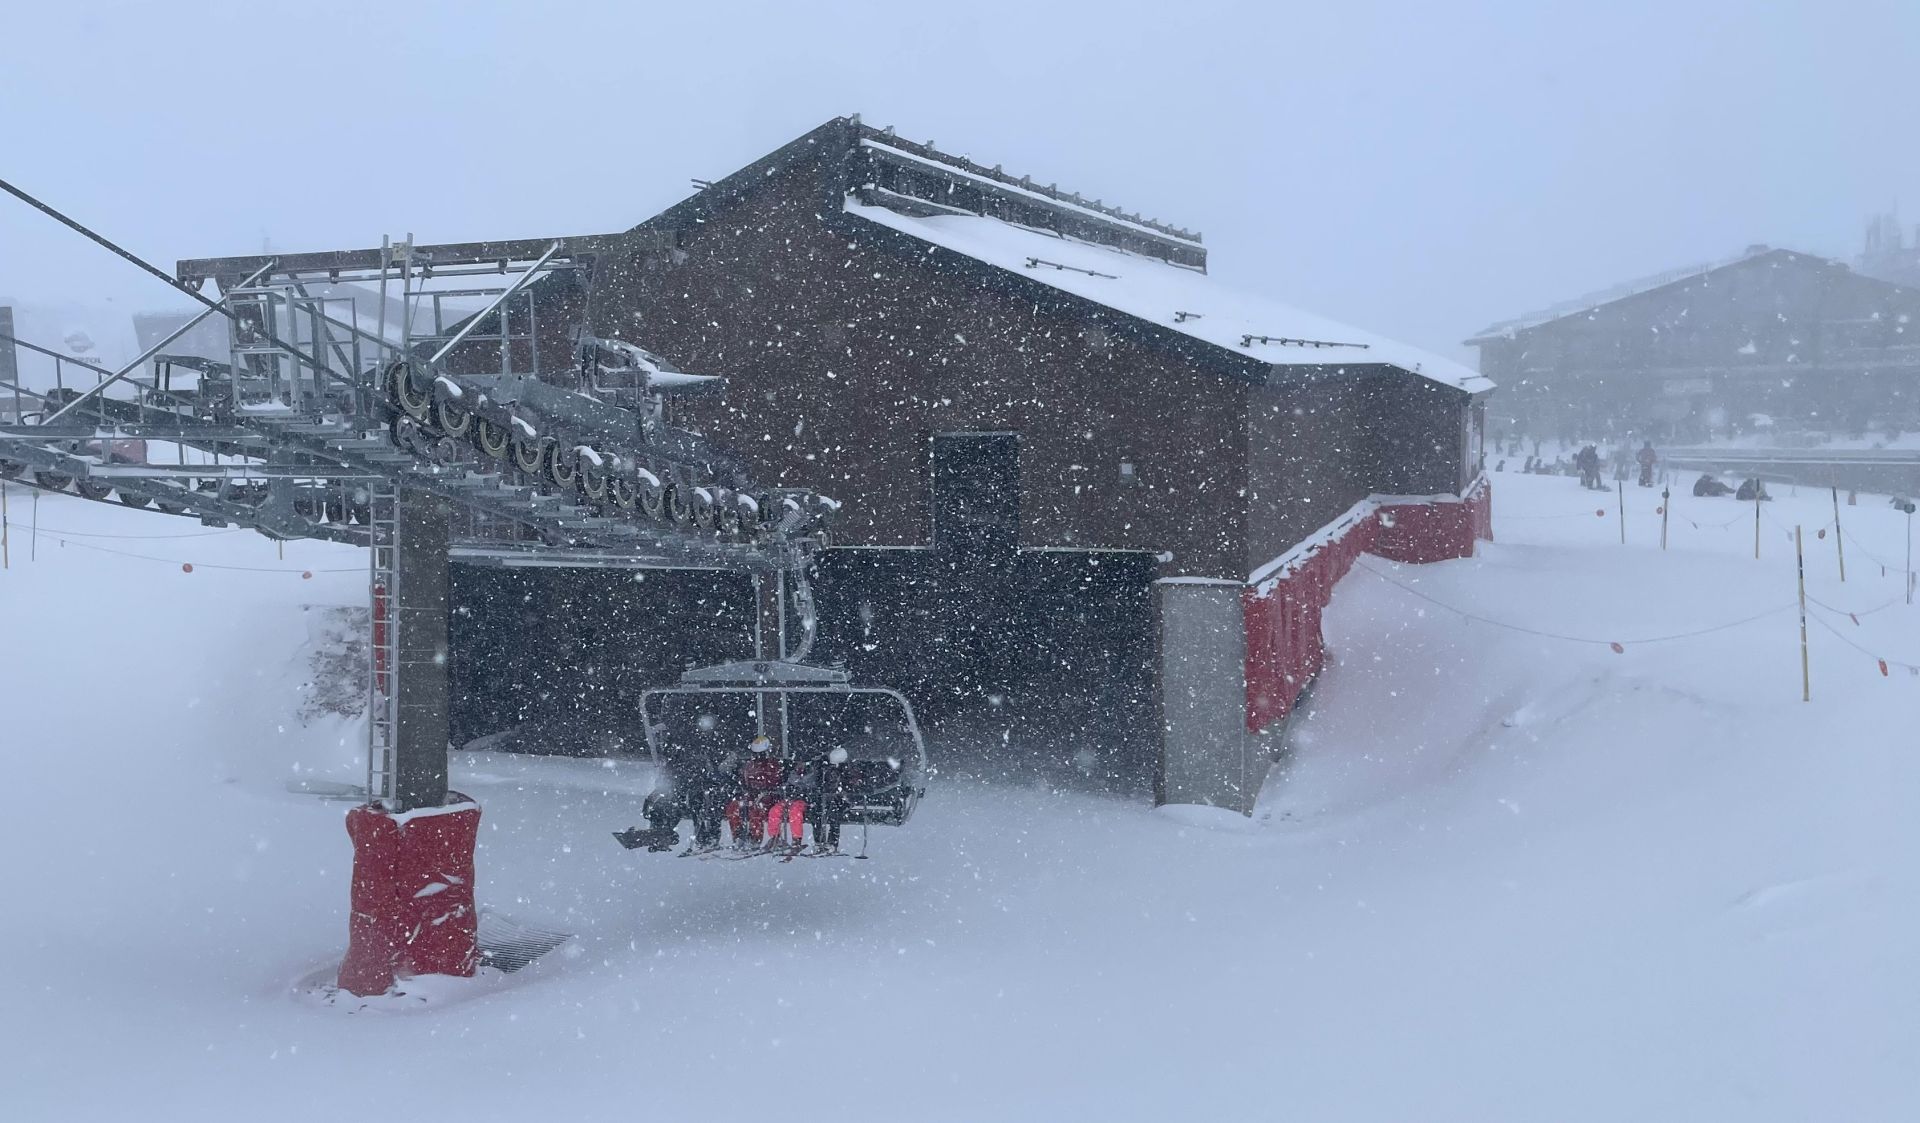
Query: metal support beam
pixel 443 256
pixel 147 354
pixel 499 302
pixel 420 653
pixel 769 635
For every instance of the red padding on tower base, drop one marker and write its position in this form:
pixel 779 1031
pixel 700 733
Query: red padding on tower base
pixel 413 908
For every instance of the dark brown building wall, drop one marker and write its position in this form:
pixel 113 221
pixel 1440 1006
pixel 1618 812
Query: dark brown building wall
pixel 843 357
pixel 1321 441
pixel 1306 441
pixel 1418 432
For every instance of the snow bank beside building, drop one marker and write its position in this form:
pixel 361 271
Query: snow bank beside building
pixel 1504 875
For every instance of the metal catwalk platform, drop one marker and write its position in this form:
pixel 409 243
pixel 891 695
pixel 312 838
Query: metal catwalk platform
pixel 316 411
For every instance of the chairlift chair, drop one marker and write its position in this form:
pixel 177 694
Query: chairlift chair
pixel 881 790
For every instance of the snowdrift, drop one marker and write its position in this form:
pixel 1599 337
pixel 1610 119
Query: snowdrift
pixel 1505 871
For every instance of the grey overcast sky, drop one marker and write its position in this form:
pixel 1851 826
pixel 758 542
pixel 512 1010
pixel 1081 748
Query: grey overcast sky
pixel 1417 168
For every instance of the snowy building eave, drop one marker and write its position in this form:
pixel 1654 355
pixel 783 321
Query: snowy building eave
pixel 1592 302
pixel 1172 297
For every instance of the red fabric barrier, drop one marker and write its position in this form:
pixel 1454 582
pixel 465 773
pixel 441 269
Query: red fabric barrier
pixel 1285 649
pixel 413 911
pixel 1437 531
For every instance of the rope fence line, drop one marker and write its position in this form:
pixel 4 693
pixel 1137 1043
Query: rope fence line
pixel 1717 526
pixel 1852 538
pixel 1617 645
pixel 1853 612
pixel 47 531
pixel 189 566
pixel 1573 515
pixel 1884 661
pixel 1818 529
pixel 1873 557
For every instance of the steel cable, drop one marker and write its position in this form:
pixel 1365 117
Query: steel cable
pixel 1563 636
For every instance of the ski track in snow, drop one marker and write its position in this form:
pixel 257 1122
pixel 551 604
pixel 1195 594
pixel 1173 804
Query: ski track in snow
pixel 1497 876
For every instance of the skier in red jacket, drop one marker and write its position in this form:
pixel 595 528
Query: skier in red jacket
pixel 760 780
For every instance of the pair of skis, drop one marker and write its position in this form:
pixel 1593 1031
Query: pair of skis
pixel 784 853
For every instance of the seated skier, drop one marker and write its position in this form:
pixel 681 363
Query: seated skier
pixel 1706 487
pixel 787 814
pixel 830 802
pixel 760 780
pixel 1752 489
pixel 695 788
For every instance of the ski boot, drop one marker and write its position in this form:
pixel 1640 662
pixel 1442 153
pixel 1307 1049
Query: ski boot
pixel 654 839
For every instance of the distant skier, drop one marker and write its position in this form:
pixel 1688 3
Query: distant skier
pixel 1588 461
pixel 1647 458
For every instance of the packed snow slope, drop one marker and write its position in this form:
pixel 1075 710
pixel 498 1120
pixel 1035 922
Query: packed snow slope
pixel 1502 875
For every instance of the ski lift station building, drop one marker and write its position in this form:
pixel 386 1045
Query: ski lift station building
pixel 1092 500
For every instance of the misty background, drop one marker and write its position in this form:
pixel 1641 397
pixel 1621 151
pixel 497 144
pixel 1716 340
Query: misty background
pixel 1422 170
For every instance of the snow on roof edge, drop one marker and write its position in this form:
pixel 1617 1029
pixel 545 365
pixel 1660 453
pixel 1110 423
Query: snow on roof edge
pixel 1639 286
pixel 1169 296
pixel 1036 196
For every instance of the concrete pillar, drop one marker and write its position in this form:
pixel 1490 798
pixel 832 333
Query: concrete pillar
pixel 420 651
pixel 1206 754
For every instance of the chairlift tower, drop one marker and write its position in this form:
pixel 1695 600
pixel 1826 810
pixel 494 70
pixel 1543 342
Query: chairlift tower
pixel 422 445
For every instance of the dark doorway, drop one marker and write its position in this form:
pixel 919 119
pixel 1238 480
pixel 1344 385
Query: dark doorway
pixel 976 492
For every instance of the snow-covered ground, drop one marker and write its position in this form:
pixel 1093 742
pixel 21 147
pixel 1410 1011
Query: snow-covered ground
pixel 1504 875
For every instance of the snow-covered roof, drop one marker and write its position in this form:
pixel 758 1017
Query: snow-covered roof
pixel 1593 300
pixel 1175 297
pixel 952 167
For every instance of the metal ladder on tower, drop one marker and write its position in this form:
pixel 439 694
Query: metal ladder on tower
pixel 383 667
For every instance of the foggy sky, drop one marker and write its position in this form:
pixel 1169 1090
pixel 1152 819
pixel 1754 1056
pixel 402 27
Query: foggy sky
pixel 1420 169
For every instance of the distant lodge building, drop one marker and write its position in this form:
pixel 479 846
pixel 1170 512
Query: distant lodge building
pixel 1699 352
pixel 1889 254
pixel 1093 500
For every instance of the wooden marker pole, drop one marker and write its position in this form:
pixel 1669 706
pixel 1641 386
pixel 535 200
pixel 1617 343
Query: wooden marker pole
pixel 1756 524
pixel 1666 504
pixel 1838 547
pixel 33 539
pixel 1806 680
pixel 5 558
pixel 1623 511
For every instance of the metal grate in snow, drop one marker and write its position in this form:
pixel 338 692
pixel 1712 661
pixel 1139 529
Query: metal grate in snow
pixel 508 944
